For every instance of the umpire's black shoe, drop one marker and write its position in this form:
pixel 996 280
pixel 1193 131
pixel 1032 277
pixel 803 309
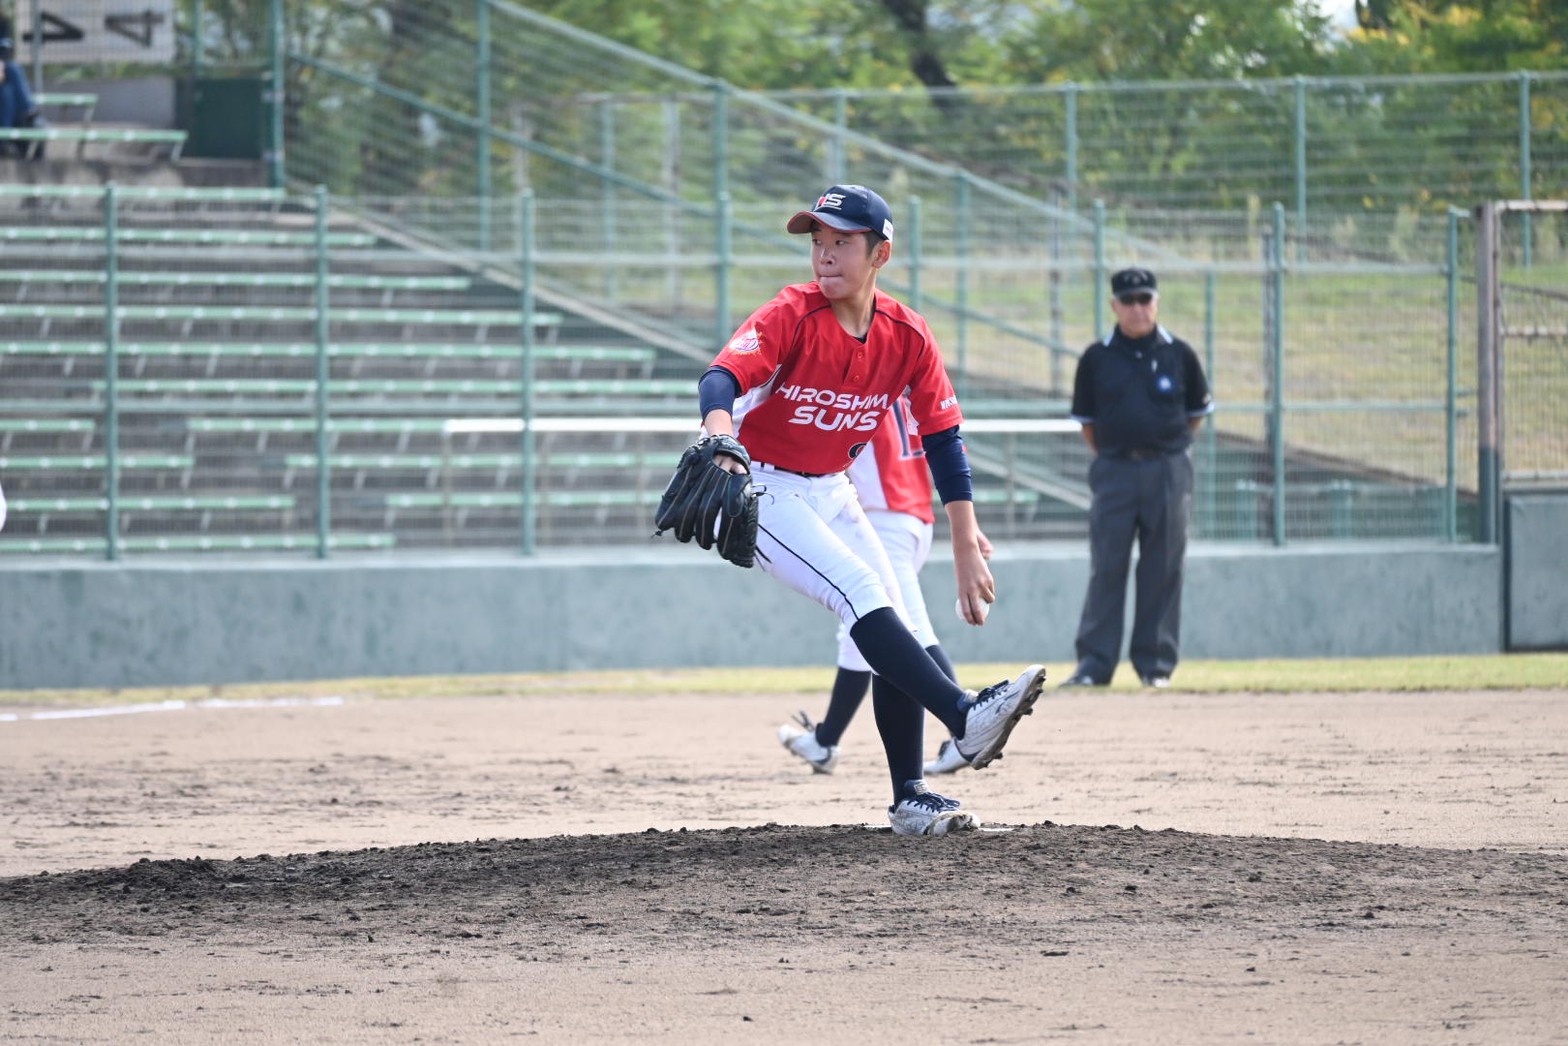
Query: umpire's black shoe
pixel 1083 679
pixel 1158 680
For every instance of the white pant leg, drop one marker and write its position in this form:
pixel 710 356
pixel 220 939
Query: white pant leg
pixel 2 508
pixel 907 540
pixel 813 536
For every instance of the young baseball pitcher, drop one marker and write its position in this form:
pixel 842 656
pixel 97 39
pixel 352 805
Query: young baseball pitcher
pixel 801 387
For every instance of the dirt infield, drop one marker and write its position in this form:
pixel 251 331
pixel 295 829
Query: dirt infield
pixel 1155 868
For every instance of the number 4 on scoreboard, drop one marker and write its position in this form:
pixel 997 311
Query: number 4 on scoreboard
pixel 139 26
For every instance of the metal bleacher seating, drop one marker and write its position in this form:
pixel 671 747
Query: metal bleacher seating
pixel 65 103
pixel 214 404
pixel 152 141
pixel 71 125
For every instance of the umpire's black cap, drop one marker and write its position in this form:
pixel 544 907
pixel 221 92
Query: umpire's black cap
pixel 1132 281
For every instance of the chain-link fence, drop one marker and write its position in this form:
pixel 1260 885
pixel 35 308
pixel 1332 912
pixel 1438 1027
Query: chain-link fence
pixel 1332 150
pixel 486 98
pixel 1341 347
pixel 1522 348
pixel 350 377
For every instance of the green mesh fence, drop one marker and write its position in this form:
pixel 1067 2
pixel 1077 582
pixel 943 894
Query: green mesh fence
pixel 1341 347
pixel 1533 293
pixel 1342 413
pixel 1326 148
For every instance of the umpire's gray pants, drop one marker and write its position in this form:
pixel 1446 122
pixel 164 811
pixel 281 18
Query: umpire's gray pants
pixel 1149 500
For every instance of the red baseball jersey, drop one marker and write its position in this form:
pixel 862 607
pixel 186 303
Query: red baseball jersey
pixel 892 474
pixel 812 395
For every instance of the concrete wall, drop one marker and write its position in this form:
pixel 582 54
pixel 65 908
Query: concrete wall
pixel 148 622
pixel 1537 534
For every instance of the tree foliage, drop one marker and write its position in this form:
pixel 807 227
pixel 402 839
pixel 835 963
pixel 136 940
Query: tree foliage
pixel 1123 40
pixel 1442 36
pixel 386 90
pixel 778 44
pixel 822 44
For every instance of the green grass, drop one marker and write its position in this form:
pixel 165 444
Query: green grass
pixel 1475 672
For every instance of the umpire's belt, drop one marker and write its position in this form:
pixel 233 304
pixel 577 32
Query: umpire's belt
pixel 765 467
pixel 1143 454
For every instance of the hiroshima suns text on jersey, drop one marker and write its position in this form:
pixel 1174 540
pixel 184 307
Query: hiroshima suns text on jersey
pixel 891 475
pixel 812 395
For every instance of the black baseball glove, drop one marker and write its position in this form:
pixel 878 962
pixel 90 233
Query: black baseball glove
pixel 708 502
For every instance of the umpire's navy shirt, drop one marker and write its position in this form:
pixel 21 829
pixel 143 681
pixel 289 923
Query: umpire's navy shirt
pixel 1140 393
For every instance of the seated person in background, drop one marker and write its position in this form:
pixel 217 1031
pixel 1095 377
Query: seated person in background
pixel 17 108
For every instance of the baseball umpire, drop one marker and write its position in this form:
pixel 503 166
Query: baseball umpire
pixel 1139 394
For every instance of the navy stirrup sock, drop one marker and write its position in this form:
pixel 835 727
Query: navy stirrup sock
pixel 895 654
pixel 901 723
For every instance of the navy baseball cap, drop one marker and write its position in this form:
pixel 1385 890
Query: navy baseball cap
pixel 1131 281
pixel 847 208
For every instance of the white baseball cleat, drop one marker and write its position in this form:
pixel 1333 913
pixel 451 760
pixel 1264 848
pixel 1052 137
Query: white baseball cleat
pixel 923 812
pixel 948 759
pixel 802 741
pixel 993 713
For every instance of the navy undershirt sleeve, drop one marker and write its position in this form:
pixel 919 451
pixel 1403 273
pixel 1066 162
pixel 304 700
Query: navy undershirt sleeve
pixel 716 390
pixel 949 464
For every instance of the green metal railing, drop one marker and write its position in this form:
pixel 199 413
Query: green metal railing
pixel 1329 318
pixel 1315 431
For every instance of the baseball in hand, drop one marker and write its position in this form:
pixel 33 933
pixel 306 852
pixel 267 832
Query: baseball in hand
pixel 958 608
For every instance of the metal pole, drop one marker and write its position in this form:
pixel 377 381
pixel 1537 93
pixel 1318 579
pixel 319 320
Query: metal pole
pixel 1054 298
pixel 38 47
pixel 913 237
pixel 526 369
pixel 111 370
pixel 197 31
pixel 1071 174
pixel 482 104
pixel 836 150
pixel 1210 478
pixel 1277 360
pixel 1451 404
pixel 1099 268
pixel 323 383
pixel 721 143
pixel 1488 348
pixel 275 167
pixel 721 193
pixel 721 289
pixel 1301 168
pixel 1525 236
pixel 607 215
pixel 961 245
